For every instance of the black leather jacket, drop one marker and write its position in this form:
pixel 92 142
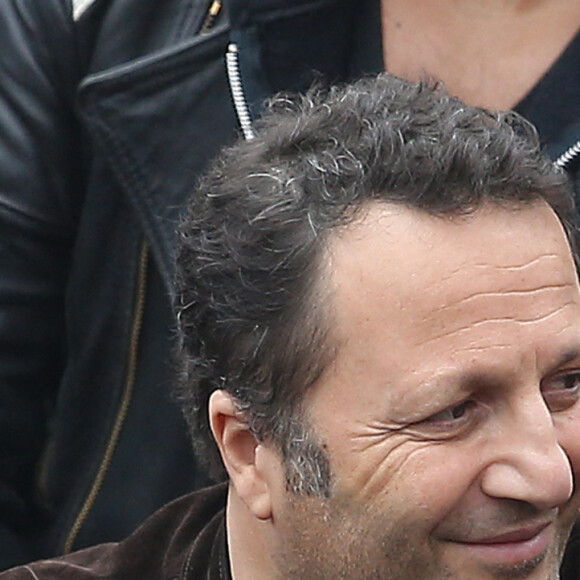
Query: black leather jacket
pixel 106 117
pixel 109 109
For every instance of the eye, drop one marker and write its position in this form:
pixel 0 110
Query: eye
pixel 452 421
pixel 450 414
pixel 562 391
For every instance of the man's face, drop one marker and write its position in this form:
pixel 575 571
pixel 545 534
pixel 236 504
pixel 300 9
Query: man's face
pixel 450 415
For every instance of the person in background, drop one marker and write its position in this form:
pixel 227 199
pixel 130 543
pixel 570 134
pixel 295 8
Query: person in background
pixel 109 109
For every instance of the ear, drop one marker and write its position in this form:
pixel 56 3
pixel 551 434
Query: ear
pixel 245 458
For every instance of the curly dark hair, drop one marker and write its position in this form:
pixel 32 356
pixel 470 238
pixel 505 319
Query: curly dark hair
pixel 254 316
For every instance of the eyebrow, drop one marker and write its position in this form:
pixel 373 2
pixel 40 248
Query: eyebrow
pixel 471 378
pixel 465 380
pixel 568 356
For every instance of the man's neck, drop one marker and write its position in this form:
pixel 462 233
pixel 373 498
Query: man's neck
pixel 249 545
pixel 488 53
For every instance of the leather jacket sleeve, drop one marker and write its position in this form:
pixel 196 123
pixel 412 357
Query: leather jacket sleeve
pixel 40 162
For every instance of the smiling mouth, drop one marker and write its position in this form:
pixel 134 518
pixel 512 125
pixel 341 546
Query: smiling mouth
pixel 514 547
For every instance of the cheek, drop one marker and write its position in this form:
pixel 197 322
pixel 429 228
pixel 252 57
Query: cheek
pixel 418 480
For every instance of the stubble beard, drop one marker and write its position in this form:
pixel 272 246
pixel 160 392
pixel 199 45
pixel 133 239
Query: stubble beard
pixel 329 539
pixel 325 539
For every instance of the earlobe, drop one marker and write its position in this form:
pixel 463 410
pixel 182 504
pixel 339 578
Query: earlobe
pixel 243 455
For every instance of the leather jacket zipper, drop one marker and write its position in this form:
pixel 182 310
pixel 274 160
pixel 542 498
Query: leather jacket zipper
pixel 237 91
pixel 124 405
pixel 568 156
pixel 214 10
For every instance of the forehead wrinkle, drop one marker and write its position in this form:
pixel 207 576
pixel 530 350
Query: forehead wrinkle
pixel 499 319
pixel 509 268
pixel 501 293
pixel 530 263
pixel 570 355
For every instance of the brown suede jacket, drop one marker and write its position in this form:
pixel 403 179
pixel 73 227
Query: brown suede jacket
pixel 185 540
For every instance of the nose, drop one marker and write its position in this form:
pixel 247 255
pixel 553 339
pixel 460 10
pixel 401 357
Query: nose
pixel 527 462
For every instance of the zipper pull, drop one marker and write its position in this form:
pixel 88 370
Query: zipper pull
pixel 211 16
